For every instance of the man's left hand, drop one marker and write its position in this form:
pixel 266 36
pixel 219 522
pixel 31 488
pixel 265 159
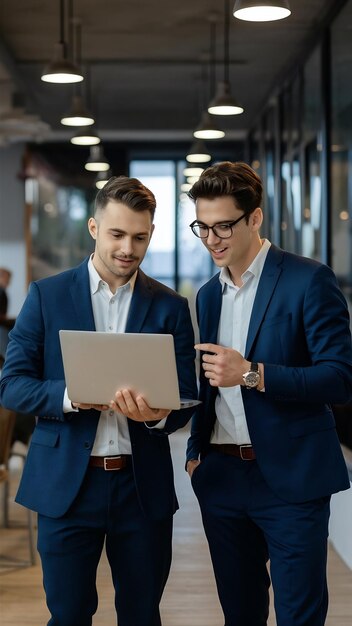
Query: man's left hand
pixel 136 408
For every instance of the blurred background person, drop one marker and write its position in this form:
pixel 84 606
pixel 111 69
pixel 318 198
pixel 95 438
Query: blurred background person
pixel 5 278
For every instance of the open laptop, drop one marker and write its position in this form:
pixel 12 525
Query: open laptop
pixel 98 364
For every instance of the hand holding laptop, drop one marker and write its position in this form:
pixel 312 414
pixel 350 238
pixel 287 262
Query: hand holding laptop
pixel 136 408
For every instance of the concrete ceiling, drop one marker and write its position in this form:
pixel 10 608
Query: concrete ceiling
pixel 147 64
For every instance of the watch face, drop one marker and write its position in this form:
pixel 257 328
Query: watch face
pixel 251 379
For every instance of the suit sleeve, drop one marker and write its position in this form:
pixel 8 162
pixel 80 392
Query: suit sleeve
pixel 182 331
pixel 201 423
pixel 326 326
pixel 24 386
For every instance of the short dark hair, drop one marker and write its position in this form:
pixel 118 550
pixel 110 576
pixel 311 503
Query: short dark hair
pixel 129 191
pixel 237 180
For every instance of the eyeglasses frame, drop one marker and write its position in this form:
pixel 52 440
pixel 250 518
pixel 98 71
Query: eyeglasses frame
pixel 213 228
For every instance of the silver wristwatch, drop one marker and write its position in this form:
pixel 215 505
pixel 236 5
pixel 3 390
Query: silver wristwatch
pixel 251 379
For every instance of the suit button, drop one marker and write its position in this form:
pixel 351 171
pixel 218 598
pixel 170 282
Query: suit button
pixel 87 444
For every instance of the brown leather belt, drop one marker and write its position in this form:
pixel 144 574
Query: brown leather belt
pixel 110 463
pixel 244 452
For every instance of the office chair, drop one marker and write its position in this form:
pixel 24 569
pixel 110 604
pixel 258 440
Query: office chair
pixel 7 423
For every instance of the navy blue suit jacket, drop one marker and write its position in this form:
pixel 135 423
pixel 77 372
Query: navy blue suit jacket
pixel 33 382
pixel 299 329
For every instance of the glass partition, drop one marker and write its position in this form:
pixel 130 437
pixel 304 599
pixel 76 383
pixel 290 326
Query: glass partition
pixel 58 225
pixel 341 150
pixel 269 182
pixel 287 221
pixel 312 123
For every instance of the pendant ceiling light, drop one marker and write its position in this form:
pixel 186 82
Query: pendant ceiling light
pixel 102 178
pixel 193 171
pixel 224 103
pixel 261 10
pixel 61 69
pixel 86 137
pixel 207 128
pixel 78 116
pixel 192 179
pixel 198 153
pixel 97 161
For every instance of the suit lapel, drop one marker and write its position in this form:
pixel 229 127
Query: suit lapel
pixel 140 303
pixel 82 302
pixel 267 283
pixel 81 299
pixel 209 315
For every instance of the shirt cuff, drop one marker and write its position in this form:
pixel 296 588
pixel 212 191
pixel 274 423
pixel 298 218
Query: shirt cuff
pixel 158 425
pixel 67 405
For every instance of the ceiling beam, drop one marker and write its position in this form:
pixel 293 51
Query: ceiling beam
pixel 141 62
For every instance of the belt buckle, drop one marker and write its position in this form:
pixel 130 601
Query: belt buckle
pixel 244 445
pixel 111 458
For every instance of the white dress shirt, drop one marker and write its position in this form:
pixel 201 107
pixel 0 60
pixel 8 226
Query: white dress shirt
pixel 237 303
pixel 110 311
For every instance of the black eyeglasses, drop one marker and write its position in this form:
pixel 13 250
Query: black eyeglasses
pixel 223 230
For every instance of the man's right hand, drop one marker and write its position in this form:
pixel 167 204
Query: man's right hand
pixel 191 466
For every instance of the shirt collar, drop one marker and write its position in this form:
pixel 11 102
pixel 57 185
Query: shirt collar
pixel 255 268
pixel 95 280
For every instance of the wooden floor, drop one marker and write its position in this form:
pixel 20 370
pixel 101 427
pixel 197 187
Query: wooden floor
pixel 190 597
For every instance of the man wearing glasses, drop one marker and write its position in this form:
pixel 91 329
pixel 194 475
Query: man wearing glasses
pixel 263 454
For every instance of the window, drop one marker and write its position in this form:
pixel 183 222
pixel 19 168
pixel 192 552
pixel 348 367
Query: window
pixel 175 256
pixel 159 177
